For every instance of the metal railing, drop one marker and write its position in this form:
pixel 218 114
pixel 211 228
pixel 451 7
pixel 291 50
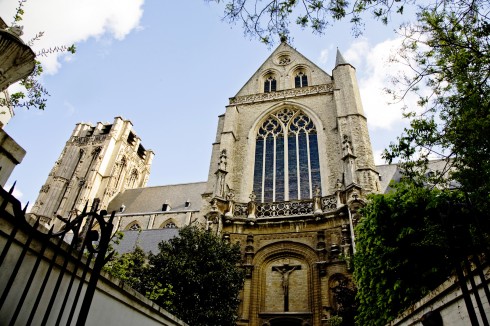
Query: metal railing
pixel 63 275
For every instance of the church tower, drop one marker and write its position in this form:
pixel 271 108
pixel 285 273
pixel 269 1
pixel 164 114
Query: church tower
pixel 96 164
pixel 290 167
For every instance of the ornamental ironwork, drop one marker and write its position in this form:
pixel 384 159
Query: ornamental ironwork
pixel 285 208
pixel 86 252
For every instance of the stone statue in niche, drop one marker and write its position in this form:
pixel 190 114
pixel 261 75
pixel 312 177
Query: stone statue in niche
pixel 347 146
pixel 222 160
pixel 231 204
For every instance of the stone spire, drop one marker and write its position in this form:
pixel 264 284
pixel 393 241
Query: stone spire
pixel 340 59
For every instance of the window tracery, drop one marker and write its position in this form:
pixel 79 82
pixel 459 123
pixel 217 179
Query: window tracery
pixel 133 178
pixel 133 227
pixel 170 225
pixel 286 157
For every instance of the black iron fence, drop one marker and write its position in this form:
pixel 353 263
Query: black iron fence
pixel 44 279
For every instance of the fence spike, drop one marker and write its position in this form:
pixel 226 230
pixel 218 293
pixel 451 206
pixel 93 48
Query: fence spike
pixel 25 208
pixel 12 188
pixel 85 208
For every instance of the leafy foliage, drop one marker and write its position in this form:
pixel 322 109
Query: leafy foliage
pixel 403 250
pixel 204 274
pixel 448 53
pixel 345 298
pixel 128 267
pixel 195 276
pixel 269 19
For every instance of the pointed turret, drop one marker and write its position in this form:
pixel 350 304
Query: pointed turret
pixel 340 59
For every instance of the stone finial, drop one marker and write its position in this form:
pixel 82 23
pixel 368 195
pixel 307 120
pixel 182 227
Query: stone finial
pixel 252 206
pixel 317 191
pixel 214 205
pixel 317 202
pixel 230 196
pixel 339 185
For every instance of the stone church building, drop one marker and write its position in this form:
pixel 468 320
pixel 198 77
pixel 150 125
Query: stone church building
pixel 290 167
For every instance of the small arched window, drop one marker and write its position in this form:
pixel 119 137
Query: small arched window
pixel 270 84
pixel 133 178
pixel 134 226
pixel 287 163
pixel 300 80
pixel 170 225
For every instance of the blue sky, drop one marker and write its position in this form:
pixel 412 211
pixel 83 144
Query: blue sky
pixel 169 67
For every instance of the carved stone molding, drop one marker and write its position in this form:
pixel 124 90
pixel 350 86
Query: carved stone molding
pixel 88 140
pixel 285 94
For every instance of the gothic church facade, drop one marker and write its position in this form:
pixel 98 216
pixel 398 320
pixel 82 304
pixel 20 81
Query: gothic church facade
pixel 291 166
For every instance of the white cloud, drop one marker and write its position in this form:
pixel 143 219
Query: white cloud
pixel 68 22
pixel 324 56
pixel 378 160
pixel 374 72
pixel 356 54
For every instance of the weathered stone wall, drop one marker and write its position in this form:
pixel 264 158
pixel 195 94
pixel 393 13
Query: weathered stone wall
pixel 11 154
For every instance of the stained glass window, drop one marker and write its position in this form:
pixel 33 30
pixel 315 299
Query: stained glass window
pixel 287 163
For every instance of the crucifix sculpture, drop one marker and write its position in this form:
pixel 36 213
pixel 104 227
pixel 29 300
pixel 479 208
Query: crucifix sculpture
pixel 285 271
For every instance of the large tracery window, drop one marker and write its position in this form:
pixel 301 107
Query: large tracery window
pixel 287 165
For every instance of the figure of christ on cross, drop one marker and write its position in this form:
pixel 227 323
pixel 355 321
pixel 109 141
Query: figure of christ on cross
pixel 285 271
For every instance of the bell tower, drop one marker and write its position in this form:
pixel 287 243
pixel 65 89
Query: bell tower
pixel 96 164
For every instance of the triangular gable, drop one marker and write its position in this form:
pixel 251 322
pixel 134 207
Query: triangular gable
pixel 283 62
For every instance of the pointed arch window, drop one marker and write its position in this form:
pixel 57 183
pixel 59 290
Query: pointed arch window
pixel 133 226
pixel 287 163
pixel 170 225
pixel 133 178
pixel 300 80
pixel 270 84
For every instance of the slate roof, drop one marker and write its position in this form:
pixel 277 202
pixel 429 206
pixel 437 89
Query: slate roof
pixel 389 172
pixel 151 199
pixel 339 60
pixel 147 240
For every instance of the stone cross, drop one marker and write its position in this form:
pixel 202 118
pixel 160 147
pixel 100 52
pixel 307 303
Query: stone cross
pixel 285 271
